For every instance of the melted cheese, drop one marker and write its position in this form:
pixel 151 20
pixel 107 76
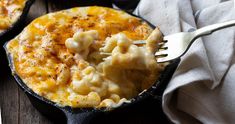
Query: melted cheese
pixel 10 11
pixel 58 57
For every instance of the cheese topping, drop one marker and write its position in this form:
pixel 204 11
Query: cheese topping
pixel 10 11
pixel 59 56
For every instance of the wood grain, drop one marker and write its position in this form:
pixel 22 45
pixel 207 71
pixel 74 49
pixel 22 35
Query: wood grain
pixel 9 100
pixel 38 8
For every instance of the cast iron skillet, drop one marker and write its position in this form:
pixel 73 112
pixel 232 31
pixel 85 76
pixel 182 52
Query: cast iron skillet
pixel 7 34
pixel 85 115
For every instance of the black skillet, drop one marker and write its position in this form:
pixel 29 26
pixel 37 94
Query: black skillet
pixel 86 115
pixel 11 31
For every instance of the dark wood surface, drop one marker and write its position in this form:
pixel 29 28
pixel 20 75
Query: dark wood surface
pixel 15 106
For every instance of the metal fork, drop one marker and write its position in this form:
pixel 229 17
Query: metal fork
pixel 176 45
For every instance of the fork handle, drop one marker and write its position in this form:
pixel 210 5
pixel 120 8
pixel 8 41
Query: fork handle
pixel 211 28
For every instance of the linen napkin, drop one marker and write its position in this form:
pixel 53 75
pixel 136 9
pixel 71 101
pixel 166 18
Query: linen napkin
pixel 202 90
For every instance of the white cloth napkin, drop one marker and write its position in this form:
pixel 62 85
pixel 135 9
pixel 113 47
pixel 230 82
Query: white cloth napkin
pixel 202 89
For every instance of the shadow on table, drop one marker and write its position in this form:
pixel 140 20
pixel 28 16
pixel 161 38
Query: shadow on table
pixel 4 68
pixel 147 112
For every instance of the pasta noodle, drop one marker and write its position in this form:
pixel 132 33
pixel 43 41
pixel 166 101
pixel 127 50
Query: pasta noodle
pixel 59 56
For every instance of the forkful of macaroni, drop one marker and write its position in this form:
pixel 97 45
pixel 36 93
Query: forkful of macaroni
pixel 176 45
pixel 120 45
pixel 114 67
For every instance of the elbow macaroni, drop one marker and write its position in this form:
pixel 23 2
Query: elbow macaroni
pixel 10 11
pixel 59 57
pixel 81 41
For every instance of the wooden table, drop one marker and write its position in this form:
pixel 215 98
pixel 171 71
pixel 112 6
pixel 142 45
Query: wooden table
pixel 16 108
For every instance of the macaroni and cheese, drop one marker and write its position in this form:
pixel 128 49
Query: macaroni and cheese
pixel 10 11
pixel 85 57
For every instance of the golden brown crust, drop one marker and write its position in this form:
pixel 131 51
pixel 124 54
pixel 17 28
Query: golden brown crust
pixel 10 11
pixel 42 59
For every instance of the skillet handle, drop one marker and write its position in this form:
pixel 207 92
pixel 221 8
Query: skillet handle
pixel 80 117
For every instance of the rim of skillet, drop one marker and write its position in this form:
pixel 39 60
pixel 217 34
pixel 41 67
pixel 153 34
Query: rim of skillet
pixel 141 96
pixel 25 11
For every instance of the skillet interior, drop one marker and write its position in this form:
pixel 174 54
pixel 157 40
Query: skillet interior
pixel 57 113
